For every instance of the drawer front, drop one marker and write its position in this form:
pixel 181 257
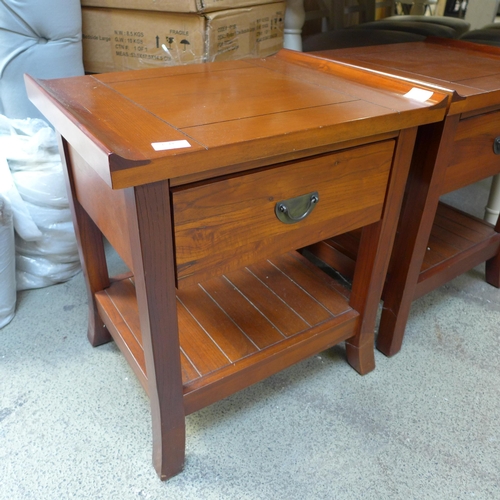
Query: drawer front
pixel 473 157
pixel 231 222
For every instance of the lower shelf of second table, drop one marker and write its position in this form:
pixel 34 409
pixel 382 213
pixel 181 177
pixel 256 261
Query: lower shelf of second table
pixel 237 329
pixel 458 242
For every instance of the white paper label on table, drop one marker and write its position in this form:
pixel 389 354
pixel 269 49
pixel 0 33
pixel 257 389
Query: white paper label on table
pixel 163 146
pixel 420 95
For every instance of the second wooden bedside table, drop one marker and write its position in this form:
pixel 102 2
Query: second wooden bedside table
pixel 435 242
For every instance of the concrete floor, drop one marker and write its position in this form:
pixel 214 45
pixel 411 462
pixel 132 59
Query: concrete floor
pixel 75 423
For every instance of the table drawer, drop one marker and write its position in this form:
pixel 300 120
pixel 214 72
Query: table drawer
pixel 473 157
pixel 232 221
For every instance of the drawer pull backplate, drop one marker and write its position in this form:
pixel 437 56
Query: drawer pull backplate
pixel 296 209
pixel 496 146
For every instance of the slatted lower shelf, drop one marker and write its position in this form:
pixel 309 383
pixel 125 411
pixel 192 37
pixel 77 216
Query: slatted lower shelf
pixel 453 233
pixel 458 242
pixel 239 328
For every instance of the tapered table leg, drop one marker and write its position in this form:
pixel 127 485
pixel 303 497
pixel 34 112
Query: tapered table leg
pixel 373 259
pixel 91 249
pixel 427 173
pixel 148 210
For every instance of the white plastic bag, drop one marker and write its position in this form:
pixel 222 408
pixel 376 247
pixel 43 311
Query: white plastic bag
pixel 23 222
pixel 46 248
pixel 7 264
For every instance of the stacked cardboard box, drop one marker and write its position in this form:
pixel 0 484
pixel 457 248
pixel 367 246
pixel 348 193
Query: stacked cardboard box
pixel 134 34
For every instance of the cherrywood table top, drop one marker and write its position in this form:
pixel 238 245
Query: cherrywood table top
pixel 470 70
pixel 232 115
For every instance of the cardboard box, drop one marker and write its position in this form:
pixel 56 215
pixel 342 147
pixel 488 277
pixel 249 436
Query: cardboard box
pixel 186 6
pixel 120 39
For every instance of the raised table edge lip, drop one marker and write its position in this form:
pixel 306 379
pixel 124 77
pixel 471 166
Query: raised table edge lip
pixel 120 172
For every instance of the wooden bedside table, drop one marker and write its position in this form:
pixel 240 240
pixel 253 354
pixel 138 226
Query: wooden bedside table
pixel 206 179
pixel 435 242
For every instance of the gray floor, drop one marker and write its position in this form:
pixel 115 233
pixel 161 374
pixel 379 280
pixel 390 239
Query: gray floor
pixel 75 423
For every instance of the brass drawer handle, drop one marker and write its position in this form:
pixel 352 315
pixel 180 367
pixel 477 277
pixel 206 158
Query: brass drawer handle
pixel 496 146
pixel 296 209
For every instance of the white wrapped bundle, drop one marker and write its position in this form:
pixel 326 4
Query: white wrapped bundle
pixel 46 249
pixel 7 264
